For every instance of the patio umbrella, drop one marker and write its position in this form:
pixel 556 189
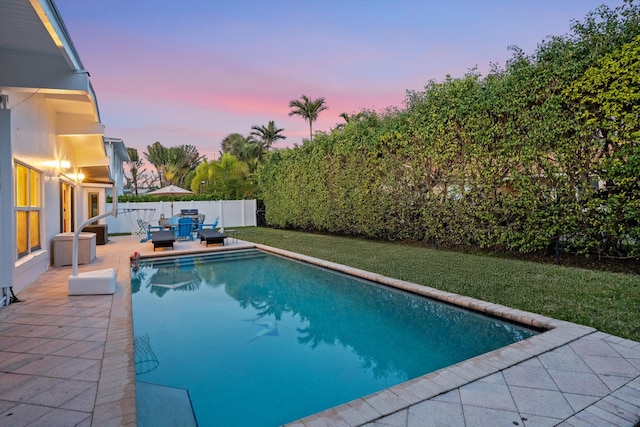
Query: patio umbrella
pixel 170 190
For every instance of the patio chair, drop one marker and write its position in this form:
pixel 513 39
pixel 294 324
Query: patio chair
pixel 184 230
pixel 162 239
pixel 150 230
pixel 212 226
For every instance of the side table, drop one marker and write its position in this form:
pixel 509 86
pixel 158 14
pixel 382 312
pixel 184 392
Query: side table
pixel 233 234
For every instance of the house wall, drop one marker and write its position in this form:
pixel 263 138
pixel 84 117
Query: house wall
pixel 83 200
pixel 34 143
pixel 116 169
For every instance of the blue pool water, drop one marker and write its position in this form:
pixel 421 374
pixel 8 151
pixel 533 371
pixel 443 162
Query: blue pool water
pixel 260 340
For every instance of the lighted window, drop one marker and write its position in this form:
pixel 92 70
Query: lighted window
pixel 28 203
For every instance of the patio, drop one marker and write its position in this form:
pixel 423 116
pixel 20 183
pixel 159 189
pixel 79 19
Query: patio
pixel 69 361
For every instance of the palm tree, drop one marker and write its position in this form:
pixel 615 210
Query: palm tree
pixel 267 134
pixel 158 156
pixel 349 118
pixel 172 163
pixel 135 168
pixel 233 144
pixel 182 159
pixel 226 177
pixel 250 150
pixel 252 153
pixel 308 110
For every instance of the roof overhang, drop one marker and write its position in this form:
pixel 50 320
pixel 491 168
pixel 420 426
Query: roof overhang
pixel 37 55
pixel 88 158
pixel 119 149
pixel 54 25
pixel 97 175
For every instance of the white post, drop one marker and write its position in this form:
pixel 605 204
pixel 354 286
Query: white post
pixel 8 249
pixel 220 211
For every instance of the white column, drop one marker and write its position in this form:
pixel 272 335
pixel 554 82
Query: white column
pixel 7 225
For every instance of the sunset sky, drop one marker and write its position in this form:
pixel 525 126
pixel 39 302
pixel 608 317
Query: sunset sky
pixel 194 71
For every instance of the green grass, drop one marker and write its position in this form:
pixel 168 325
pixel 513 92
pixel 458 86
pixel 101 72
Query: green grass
pixel 607 301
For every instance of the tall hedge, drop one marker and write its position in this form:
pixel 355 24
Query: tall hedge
pixel 544 149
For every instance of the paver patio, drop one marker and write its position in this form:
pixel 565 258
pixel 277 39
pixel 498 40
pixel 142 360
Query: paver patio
pixel 69 360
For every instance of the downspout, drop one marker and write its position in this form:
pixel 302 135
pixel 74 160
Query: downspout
pixel 76 235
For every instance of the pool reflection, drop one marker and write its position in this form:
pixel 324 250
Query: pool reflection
pixel 392 332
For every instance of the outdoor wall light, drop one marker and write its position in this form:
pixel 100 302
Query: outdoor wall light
pixel 78 177
pixel 60 165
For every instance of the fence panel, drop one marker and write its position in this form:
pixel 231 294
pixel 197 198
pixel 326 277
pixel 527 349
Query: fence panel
pixel 230 213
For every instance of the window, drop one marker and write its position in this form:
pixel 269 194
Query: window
pixel 93 206
pixel 28 205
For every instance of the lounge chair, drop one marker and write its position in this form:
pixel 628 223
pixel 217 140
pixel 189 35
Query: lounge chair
pixel 211 236
pixel 162 239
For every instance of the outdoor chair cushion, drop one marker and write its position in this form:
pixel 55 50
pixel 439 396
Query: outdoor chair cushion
pixel 211 236
pixel 162 239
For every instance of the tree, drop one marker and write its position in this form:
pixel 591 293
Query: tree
pixel 173 163
pixel 246 149
pixel 135 168
pixel 157 155
pixel 182 159
pixel 350 118
pixel 267 135
pixel 308 110
pixel 233 144
pixel 226 178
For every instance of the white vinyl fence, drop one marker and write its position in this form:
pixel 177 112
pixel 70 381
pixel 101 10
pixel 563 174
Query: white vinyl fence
pixel 230 213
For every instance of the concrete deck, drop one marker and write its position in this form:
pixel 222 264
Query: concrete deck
pixel 69 360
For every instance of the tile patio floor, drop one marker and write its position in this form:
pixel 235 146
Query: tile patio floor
pixel 68 360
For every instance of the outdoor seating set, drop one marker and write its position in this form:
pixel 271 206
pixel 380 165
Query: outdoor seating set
pixel 184 227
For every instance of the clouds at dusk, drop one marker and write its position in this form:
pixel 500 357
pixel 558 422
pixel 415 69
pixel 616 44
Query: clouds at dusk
pixel 194 71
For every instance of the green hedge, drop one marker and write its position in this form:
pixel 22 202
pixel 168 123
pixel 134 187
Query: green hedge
pixel 152 198
pixel 538 151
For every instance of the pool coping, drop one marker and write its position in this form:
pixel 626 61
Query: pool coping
pixel 376 406
pixel 392 406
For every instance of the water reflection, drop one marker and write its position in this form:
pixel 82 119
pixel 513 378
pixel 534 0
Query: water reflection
pixel 178 275
pixel 269 328
pixel 392 332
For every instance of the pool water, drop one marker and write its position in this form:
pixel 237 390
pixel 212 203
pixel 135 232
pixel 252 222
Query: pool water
pixel 261 340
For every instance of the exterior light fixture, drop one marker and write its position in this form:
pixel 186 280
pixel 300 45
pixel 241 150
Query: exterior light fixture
pixel 59 165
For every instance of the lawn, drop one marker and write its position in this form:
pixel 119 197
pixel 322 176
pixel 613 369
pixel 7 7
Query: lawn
pixel 607 301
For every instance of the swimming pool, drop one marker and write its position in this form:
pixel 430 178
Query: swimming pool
pixel 257 339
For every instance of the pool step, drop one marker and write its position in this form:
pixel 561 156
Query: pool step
pixel 235 255
pixel 159 405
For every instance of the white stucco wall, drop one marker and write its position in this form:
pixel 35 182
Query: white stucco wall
pixel 82 213
pixel 34 142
